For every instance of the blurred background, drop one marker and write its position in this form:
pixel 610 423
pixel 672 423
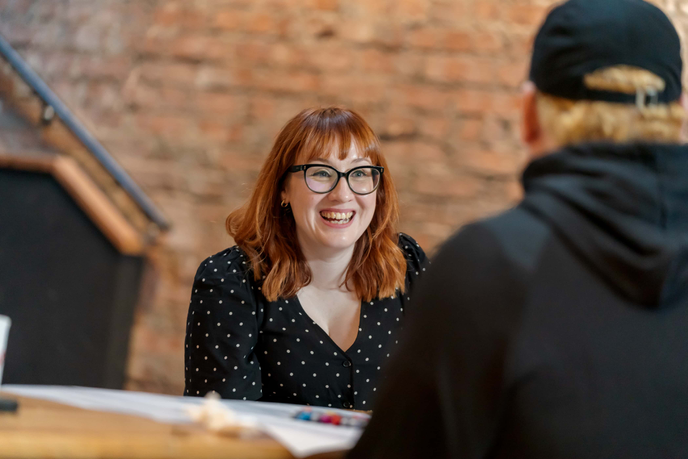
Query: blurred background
pixel 187 96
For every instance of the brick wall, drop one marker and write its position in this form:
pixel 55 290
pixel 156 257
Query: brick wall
pixel 188 96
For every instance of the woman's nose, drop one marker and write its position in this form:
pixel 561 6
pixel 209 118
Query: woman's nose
pixel 341 192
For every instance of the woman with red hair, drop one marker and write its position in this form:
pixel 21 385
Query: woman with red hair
pixel 306 307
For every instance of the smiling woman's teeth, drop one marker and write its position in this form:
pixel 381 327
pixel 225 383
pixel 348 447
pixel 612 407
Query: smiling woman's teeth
pixel 340 218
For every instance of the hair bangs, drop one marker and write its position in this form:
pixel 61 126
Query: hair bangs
pixel 336 134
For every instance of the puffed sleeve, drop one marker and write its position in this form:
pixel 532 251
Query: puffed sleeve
pixel 222 330
pixel 416 261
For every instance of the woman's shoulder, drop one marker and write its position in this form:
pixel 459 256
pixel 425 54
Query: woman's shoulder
pixel 225 279
pixel 416 260
pixel 412 250
pixel 230 264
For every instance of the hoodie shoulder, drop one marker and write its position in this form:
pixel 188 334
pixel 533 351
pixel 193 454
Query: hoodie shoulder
pixel 520 236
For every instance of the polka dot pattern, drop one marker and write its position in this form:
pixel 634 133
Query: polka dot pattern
pixel 243 347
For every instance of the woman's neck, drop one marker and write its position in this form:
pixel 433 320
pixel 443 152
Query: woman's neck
pixel 328 266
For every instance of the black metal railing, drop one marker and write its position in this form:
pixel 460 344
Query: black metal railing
pixel 53 103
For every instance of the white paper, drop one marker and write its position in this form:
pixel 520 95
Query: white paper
pixel 5 324
pixel 301 438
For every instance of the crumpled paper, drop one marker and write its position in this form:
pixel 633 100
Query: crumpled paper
pixel 217 418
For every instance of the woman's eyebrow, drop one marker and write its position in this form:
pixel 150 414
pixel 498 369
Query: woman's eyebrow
pixel 327 161
pixel 319 160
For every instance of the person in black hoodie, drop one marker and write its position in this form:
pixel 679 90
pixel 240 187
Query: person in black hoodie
pixel 559 329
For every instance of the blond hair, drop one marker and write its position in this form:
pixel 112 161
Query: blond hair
pixel 570 122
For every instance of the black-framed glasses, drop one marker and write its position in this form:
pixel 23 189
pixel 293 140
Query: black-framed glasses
pixel 322 179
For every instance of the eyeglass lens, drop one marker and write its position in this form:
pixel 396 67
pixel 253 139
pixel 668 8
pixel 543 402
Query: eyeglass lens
pixel 322 179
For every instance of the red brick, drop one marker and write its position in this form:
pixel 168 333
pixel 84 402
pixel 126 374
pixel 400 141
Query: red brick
pixel 358 31
pixel 425 97
pixel 412 10
pixel 253 52
pixel 410 64
pixel 455 40
pixel 437 231
pixel 199 47
pixel 448 185
pixel 277 4
pixel 397 125
pixel 495 129
pixel 449 12
pixel 262 107
pixel 168 73
pixel 153 44
pixel 424 38
pixel 18 6
pixel 286 81
pixel 374 60
pixel 260 23
pixel 59 64
pixel 208 102
pixel 229 19
pixel 213 78
pixel 18 34
pixel 286 28
pixel 513 74
pixel 151 97
pixel 320 27
pixel 530 15
pixel 324 5
pixel 330 59
pixel 239 163
pixel 486 10
pixel 487 42
pixel 170 126
pixel 470 129
pixel 460 69
pixel 288 55
pixel 415 152
pixel 173 14
pixel 114 67
pixel 373 8
pixel 389 35
pixel 490 162
pixel 472 101
pixel 434 127
pixel 521 45
pixel 353 89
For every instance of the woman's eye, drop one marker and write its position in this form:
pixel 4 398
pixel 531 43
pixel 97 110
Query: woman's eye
pixel 321 173
pixel 360 174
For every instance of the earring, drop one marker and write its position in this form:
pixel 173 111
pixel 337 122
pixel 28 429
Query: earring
pixel 284 204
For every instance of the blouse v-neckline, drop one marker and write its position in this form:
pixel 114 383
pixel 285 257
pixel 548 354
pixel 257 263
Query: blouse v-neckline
pixel 323 332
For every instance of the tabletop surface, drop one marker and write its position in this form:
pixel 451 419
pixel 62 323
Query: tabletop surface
pixel 43 429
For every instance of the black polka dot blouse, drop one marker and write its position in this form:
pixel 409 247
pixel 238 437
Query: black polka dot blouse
pixel 242 346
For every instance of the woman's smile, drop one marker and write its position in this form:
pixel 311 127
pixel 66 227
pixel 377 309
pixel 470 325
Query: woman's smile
pixel 337 218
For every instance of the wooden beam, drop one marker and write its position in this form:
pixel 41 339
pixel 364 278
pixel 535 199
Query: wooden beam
pixel 91 199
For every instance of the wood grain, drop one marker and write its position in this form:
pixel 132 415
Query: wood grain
pixel 42 429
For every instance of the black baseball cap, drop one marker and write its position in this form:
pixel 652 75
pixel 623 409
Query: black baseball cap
pixel 582 36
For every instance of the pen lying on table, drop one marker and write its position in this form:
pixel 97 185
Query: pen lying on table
pixel 332 417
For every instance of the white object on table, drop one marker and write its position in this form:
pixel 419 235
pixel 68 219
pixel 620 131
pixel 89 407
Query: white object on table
pixel 5 323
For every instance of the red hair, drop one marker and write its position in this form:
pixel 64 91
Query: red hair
pixel 266 232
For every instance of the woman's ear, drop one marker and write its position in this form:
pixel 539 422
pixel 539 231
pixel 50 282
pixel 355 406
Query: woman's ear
pixel 283 194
